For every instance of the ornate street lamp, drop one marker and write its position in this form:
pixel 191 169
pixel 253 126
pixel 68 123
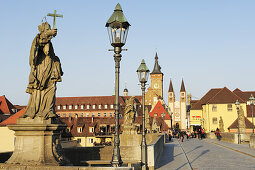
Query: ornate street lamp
pixel 252 99
pixel 237 108
pixel 163 116
pixel 143 74
pixel 117 27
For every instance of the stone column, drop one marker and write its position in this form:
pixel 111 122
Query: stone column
pixel 37 142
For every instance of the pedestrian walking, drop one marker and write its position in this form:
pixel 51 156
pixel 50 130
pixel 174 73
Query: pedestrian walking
pixel 217 133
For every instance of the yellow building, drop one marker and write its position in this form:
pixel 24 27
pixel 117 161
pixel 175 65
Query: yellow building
pixel 217 104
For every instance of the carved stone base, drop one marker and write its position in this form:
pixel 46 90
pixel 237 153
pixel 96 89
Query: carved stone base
pixel 129 130
pixel 37 142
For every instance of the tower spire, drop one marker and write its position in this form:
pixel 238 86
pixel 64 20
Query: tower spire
pixel 182 87
pixel 171 89
pixel 157 67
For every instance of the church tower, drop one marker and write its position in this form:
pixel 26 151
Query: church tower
pixel 125 92
pixel 171 98
pixel 155 92
pixel 183 107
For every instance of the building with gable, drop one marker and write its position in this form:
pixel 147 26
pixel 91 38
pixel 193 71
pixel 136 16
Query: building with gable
pixel 216 104
pixel 7 109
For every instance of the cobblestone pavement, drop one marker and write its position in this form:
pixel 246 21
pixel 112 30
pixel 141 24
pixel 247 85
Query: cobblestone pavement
pixel 205 155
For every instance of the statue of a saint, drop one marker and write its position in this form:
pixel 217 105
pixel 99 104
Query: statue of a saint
pixel 45 72
pixel 129 112
pixel 221 124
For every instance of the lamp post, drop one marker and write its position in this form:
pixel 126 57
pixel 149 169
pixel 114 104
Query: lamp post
pixel 143 74
pixel 117 27
pixel 163 116
pixel 237 108
pixel 252 104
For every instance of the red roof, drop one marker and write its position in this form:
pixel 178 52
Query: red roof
pixel 13 119
pixel 159 109
pixel 5 106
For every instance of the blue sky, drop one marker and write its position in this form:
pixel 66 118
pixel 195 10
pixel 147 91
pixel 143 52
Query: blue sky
pixel 210 44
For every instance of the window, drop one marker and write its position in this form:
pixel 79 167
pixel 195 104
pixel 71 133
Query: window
pixel 70 114
pixel 58 107
pixel 94 107
pixel 76 107
pixel 88 106
pixel 155 99
pixel 104 114
pixel 183 94
pixel 214 108
pixel 64 107
pixel 68 129
pixel 100 106
pixel 91 140
pixel 64 115
pixel 93 114
pixel 105 106
pixel 79 129
pixel 110 114
pixel 214 120
pixel 111 106
pixel 98 114
pixel 87 114
pixel 81 115
pixel 91 129
pixel 79 140
pixel 82 106
pixel 70 106
pixel 229 107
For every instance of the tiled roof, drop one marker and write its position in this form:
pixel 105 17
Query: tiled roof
pixel 225 96
pixel 205 98
pixel 5 106
pixel 245 95
pixel 93 100
pixel 13 119
pixel 18 107
pixel 234 125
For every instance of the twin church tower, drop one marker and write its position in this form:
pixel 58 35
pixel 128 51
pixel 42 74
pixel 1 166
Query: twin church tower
pixel 177 109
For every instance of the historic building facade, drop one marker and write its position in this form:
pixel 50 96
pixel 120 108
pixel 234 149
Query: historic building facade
pixel 155 91
pixel 179 108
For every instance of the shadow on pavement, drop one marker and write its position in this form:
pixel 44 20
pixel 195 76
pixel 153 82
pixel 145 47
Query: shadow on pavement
pixel 168 154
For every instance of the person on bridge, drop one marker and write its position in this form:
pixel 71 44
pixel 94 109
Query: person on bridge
pixel 217 133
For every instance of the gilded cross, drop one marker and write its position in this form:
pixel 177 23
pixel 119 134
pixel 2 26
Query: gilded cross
pixel 54 17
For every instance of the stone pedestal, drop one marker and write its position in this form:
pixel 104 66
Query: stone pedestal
pixel 252 141
pixel 37 142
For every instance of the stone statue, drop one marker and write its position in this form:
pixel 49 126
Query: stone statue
pixel 154 126
pixel 45 72
pixel 147 120
pixel 129 117
pixel 241 120
pixel 221 124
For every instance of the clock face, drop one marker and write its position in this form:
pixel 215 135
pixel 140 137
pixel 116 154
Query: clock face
pixel 156 85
